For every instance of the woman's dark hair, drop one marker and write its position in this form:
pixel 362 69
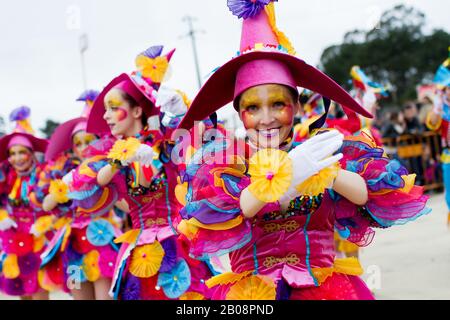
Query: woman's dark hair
pixel 133 103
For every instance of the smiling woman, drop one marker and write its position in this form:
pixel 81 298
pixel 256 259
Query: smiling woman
pixel 293 195
pixel 267 113
pixel 19 212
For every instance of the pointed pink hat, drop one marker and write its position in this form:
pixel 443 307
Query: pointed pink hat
pixel 142 85
pixel 22 135
pixel 61 139
pixel 265 57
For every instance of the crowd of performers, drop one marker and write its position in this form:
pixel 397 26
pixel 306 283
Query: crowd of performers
pixel 146 196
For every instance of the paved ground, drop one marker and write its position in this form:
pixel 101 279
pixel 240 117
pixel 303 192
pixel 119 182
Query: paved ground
pixel 413 260
pixel 404 262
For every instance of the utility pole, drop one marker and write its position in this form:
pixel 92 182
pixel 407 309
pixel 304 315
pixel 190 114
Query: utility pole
pixel 84 44
pixel 192 34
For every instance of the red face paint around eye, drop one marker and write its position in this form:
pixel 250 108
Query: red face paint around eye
pixel 248 119
pixel 286 115
pixel 122 114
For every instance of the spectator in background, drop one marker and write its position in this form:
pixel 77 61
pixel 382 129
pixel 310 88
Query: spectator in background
pixel 426 105
pixel 414 128
pixel 394 126
pixel 413 125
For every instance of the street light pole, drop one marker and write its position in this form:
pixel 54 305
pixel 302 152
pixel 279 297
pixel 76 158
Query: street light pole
pixel 192 34
pixel 84 44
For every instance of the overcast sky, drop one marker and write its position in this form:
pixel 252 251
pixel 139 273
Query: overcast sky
pixel 40 64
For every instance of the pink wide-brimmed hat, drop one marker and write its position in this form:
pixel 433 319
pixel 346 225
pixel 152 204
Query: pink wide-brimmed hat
pixel 22 135
pixel 265 57
pixel 142 85
pixel 61 139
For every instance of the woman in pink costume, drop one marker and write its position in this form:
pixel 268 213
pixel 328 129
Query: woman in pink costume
pixel 273 206
pixel 81 256
pixel 20 247
pixel 151 263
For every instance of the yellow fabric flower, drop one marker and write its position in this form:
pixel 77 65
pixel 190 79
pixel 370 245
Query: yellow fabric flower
pixel 124 149
pixel 349 266
pixel 227 278
pixel 61 222
pixel 192 296
pixel 59 190
pixel 11 267
pixel 255 287
pixel 39 243
pixel 317 184
pixel 45 282
pixel 90 266
pixel 129 237
pixel 155 68
pixel 3 214
pixel 42 225
pixel 146 260
pixel 181 192
pixel 271 174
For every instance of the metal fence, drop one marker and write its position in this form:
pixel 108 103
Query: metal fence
pixel 421 155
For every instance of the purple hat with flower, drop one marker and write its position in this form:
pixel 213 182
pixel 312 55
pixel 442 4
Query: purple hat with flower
pixel 266 56
pixel 142 85
pixel 22 135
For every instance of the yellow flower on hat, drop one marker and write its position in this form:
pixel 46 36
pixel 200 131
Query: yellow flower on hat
pixel 59 190
pixel 271 174
pixel 90 266
pixel 124 149
pixel 153 68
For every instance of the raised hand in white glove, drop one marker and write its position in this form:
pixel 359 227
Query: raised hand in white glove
pixel 438 103
pixel 144 155
pixel 369 100
pixel 310 157
pixel 170 101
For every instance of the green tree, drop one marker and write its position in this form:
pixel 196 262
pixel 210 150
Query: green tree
pixel 397 52
pixel 49 127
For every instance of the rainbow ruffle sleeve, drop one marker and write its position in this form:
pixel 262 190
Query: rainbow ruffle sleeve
pixel 393 197
pixel 212 218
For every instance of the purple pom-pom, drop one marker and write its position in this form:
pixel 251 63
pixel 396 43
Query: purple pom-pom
pixel 132 288
pixel 13 287
pixel 170 255
pixel 153 52
pixel 88 95
pixel 247 8
pixel 20 113
pixel 29 263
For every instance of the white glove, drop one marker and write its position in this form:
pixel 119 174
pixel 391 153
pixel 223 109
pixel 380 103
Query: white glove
pixel 310 157
pixel 143 155
pixel 369 99
pixel 7 223
pixel 68 178
pixel 438 103
pixel 170 101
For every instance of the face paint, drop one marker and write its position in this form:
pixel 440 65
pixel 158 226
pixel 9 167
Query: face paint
pixel 121 114
pixel 21 158
pixel 267 112
pixel 286 115
pixel 81 141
